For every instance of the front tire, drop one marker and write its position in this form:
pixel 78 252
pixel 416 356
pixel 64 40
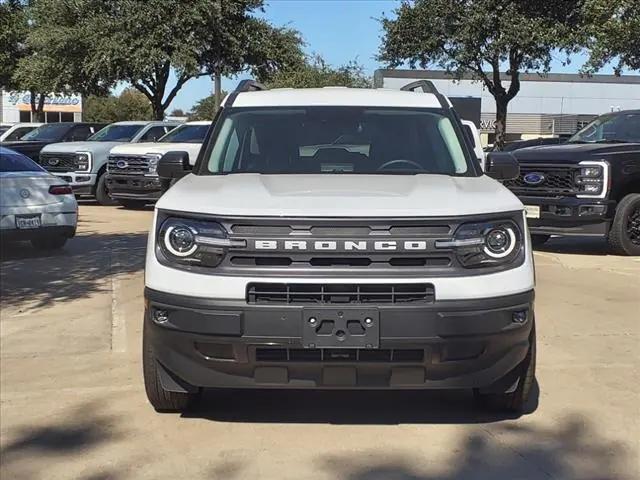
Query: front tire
pixel 624 236
pixel 102 192
pixel 516 401
pixel 49 243
pixel 161 399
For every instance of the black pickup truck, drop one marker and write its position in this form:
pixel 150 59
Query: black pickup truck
pixel 589 185
pixel 34 141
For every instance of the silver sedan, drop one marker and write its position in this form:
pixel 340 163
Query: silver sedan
pixel 34 205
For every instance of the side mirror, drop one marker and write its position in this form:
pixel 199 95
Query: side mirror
pixel 174 165
pixel 502 166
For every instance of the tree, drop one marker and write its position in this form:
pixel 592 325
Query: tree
pixel 13 35
pixel 480 37
pixel 316 72
pixel 177 112
pixel 205 108
pixel 612 30
pixel 251 44
pixel 129 105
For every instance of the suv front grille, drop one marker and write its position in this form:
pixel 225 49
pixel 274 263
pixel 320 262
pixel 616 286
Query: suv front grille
pixel 58 162
pixel 128 164
pixel 320 293
pixel 388 355
pixel 558 181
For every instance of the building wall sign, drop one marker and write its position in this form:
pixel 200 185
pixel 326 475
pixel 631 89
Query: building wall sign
pixel 52 102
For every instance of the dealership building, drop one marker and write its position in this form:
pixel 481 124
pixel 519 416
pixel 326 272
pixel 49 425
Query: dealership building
pixel 547 105
pixel 16 107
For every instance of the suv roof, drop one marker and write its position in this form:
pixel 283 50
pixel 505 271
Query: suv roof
pixel 335 96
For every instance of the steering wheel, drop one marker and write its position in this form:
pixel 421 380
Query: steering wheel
pixel 391 163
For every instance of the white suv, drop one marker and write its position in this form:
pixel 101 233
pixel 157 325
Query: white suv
pixel 338 238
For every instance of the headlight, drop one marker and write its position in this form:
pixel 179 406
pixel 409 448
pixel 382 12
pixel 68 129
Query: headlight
pixel 592 179
pixel 194 242
pixel 154 158
pixel 485 244
pixel 83 161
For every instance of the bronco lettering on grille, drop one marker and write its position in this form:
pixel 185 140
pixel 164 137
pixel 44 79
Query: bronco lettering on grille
pixel 342 245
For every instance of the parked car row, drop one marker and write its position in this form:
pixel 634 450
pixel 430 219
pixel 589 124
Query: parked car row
pixel 78 152
pixel 588 185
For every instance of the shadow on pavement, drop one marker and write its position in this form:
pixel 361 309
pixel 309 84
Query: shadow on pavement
pixel 85 430
pixel 576 245
pixel 348 407
pixel 39 279
pixel 570 450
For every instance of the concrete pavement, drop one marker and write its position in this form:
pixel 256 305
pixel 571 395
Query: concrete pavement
pixel 72 404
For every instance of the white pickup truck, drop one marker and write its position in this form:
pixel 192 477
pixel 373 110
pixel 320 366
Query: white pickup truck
pixel 132 179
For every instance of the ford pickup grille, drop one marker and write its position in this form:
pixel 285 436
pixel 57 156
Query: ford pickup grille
pixel 555 181
pixel 319 293
pixel 128 164
pixel 58 162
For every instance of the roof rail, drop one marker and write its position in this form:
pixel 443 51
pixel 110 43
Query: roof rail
pixel 249 86
pixel 427 86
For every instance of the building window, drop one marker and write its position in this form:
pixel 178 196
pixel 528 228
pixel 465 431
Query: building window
pixel 66 116
pixel 25 116
pixel 52 117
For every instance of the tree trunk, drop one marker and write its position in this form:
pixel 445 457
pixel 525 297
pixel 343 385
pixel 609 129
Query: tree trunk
pixel 37 108
pixel 158 109
pixel 501 121
pixel 217 88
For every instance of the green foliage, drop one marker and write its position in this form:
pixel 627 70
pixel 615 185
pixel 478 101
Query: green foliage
pixel 481 37
pixel 315 72
pixel 612 29
pixel 129 105
pixel 204 109
pixel 13 34
pixel 102 42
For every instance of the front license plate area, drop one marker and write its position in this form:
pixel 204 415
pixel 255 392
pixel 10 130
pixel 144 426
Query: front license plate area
pixel 25 222
pixel 532 211
pixel 341 328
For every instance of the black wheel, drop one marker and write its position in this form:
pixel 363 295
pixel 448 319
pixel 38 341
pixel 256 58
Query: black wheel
pixel 102 192
pixel 161 399
pixel 516 400
pixel 133 204
pixel 624 236
pixel 50 243
pixel 538 240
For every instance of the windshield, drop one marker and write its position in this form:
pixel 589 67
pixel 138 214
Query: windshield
pixel 186 134
pixel 3 129
pixel 15 162
pixel 116 133
pixel 47 133
pixel 611 128
pixel 354 140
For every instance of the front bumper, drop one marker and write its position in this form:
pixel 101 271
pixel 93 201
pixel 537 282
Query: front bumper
pixel 83 183
pixel 446 344
pixel 571 215
pixel 138 187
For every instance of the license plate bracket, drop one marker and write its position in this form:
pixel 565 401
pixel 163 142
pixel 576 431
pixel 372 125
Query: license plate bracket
pixel 341 328
pixel 27 222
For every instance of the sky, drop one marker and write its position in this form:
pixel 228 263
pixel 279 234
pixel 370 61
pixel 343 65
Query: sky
pixel 339 30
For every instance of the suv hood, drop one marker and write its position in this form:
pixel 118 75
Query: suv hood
pixel 324 195
pixel 72 147
pixel 158 147
pixel 572 152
